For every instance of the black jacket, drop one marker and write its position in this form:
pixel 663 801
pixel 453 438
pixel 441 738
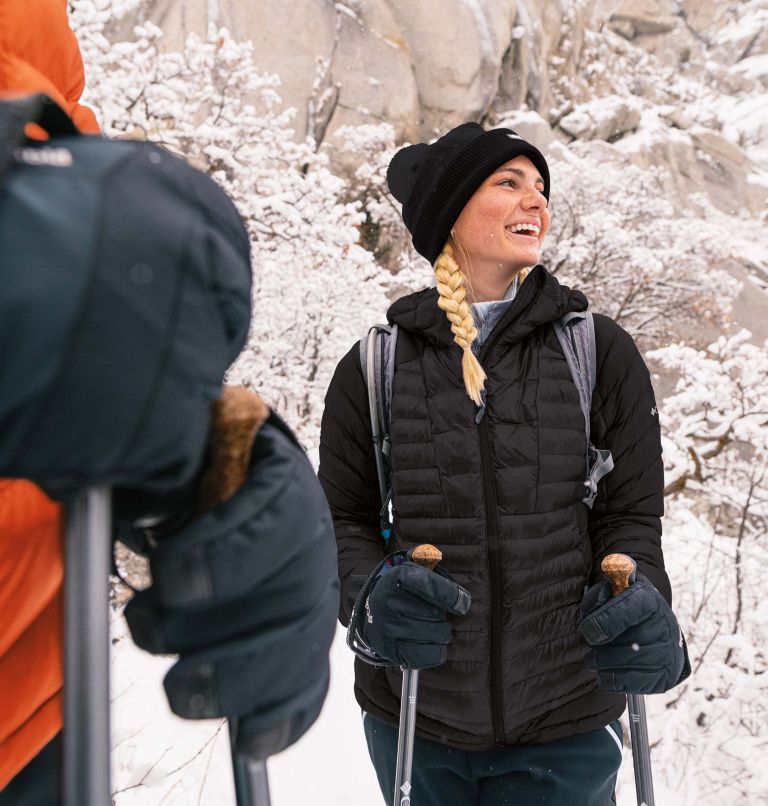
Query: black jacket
pixel 502 499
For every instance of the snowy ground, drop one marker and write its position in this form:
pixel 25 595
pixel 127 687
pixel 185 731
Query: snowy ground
pixel 159 759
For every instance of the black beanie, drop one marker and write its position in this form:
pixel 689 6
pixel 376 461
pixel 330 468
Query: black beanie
pixel 434 182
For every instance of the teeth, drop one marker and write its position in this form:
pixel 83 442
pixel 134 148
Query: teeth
pixel 525 228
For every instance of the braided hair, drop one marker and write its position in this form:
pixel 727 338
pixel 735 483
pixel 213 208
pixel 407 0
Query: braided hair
pixel 452 290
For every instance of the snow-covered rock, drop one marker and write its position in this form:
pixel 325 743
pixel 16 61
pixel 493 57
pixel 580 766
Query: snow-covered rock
pixel 636 18
pixel 603 119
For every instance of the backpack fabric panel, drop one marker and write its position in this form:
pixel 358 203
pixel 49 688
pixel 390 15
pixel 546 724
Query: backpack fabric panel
pixel 149 303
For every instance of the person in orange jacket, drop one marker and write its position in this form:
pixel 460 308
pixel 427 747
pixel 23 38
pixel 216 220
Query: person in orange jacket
pixel 38 53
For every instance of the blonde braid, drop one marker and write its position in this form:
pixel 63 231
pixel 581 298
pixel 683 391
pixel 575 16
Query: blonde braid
pixel 451 285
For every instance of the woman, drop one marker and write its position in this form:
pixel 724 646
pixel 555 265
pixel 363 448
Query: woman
pixel 488 447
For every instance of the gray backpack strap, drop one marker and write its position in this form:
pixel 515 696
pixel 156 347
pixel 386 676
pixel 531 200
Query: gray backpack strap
pixel 576 334
pixel 377 360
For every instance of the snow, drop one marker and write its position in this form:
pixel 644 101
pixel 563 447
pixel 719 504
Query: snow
pixel 159 758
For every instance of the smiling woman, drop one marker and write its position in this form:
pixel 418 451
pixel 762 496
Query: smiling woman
pixel 502 227
pixel 489 454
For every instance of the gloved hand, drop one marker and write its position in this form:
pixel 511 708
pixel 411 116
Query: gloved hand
pixel 247 596
pixel 406 615
pixel 636 644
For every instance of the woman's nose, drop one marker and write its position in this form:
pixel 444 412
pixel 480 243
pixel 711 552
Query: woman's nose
pixel 534 199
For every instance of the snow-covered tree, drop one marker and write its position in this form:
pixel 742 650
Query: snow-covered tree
pixel 652 267
pixel 716 455
pixel 212 106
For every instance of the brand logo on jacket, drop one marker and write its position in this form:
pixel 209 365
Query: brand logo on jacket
pixel 53 157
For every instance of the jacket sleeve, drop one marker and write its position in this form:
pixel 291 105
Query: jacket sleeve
pixel 626 516
pixel 348 475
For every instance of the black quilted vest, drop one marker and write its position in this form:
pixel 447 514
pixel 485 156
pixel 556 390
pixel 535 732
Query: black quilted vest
pixel 502 499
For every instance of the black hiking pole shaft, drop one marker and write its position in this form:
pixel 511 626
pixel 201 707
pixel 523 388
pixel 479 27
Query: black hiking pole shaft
pixel 429 557
pixel 88 546
pixel 641 751
pixel 620 569
pixel 251 781
pixel 405 734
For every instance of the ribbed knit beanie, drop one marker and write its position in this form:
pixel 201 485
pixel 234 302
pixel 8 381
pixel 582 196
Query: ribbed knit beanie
pixel 433 182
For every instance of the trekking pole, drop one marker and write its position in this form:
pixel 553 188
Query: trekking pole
pixel 237 416
pixel 251 780
pixel 88 552
pixel 620 569
pixel 428 556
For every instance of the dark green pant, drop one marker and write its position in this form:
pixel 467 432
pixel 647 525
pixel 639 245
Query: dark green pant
pixel 578 771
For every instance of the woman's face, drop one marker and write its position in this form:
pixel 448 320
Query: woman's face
pixel 489 225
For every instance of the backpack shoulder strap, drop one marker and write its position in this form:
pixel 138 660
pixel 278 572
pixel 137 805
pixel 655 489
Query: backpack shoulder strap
pixel 576 333
pixel 377 360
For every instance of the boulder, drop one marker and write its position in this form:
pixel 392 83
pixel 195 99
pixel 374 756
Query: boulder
pixel 530 125
pixel 639 18
pixel 606 118
pixel 176 18
pixel 456 49
pixel 704 15
pixel 699 161
pixel 296 46
pixel 372 70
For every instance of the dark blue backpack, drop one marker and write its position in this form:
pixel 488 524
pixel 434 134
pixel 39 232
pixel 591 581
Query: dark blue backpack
pixel 125 284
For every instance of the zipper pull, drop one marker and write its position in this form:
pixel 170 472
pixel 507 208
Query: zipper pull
pixel 481 409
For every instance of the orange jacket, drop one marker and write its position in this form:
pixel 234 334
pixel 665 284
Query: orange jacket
pixel 31 573
pixel 38 53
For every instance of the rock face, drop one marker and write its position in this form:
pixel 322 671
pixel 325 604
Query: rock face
pixel 677 85
pixel 456 47
pixel 524 77
pixel 422 67
pixel 371 48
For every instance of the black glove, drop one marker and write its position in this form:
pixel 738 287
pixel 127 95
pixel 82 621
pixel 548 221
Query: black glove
pixel 636 644
pixel 405 619
pixel 247 596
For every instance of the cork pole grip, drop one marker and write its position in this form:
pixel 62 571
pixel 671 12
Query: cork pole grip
pixel 618 568
pixel 426 555
pixel 236 417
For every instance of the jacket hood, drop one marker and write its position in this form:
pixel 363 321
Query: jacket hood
pixel 39 53
pixel 540 300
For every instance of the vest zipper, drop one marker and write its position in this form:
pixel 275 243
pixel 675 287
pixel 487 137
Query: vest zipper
pixel 526 291
pixel 492 538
